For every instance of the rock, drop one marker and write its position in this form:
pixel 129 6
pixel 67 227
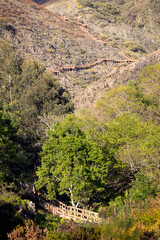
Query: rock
pixel 32 206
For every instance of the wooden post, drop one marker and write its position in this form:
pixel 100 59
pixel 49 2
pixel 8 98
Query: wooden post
pixel 53 211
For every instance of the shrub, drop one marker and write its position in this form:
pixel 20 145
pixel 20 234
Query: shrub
pixel 29 232
pixel 148 219
pixel 122 226
pixel 74 231
pixel 134 47
pixel 3 22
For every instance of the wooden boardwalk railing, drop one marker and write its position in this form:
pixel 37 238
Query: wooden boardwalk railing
pixel 88 66
pixel 68 212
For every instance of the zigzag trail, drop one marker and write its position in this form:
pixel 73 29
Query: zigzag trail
pixel 60 209
pixel 87 66
pixel 83 28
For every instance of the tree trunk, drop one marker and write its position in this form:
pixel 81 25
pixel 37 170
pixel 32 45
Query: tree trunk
pixel 72 201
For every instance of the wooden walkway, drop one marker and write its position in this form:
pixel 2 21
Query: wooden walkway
pixel 85 29
pixel 60 209
pixel 88 66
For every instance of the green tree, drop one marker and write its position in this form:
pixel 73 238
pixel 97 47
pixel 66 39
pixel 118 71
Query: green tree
pixel 72 164
pixel 13 160
pixel 9 71
pixel 142 187
pixel 30 93
pixel 129 99
pixel 136 143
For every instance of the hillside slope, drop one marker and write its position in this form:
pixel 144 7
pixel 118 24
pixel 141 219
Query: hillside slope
pixel 69 33
pixel 131 26
pixel 118 76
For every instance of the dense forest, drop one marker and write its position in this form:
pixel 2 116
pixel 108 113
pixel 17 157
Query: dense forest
pixel 103 156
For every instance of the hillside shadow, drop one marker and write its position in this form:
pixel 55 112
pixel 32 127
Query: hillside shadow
pixel 40 2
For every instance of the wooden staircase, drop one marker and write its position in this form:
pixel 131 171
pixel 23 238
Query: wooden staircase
pixel 88 66
pixel 60 209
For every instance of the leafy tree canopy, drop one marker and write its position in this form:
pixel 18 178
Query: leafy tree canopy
pixel 27 87
pixel 72 163
pixel 127 119
pixel 29 95
pixel 13 159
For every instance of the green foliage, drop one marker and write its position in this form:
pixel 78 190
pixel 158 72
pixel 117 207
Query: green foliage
pixel 10 203
pixel 133 46
pixel 71 163
pixel 71 231
pixel 43 96
pixel 129 99
pixel 9 71
pixel 47 221
pixel 122 226
pixel 8 196
pixel 148 219
pixel 88 158
pixel 137 143
pixel 131 220
pixel 124 115
pixel 13 160
pixel 28 93
pixel 102 7
pixel 26 86
pixel 149 83
pixel 142 188
pixel 3 23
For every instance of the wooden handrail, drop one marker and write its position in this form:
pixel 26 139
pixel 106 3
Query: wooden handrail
pixel 75 208
pixel 65 211
pixel 76 215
